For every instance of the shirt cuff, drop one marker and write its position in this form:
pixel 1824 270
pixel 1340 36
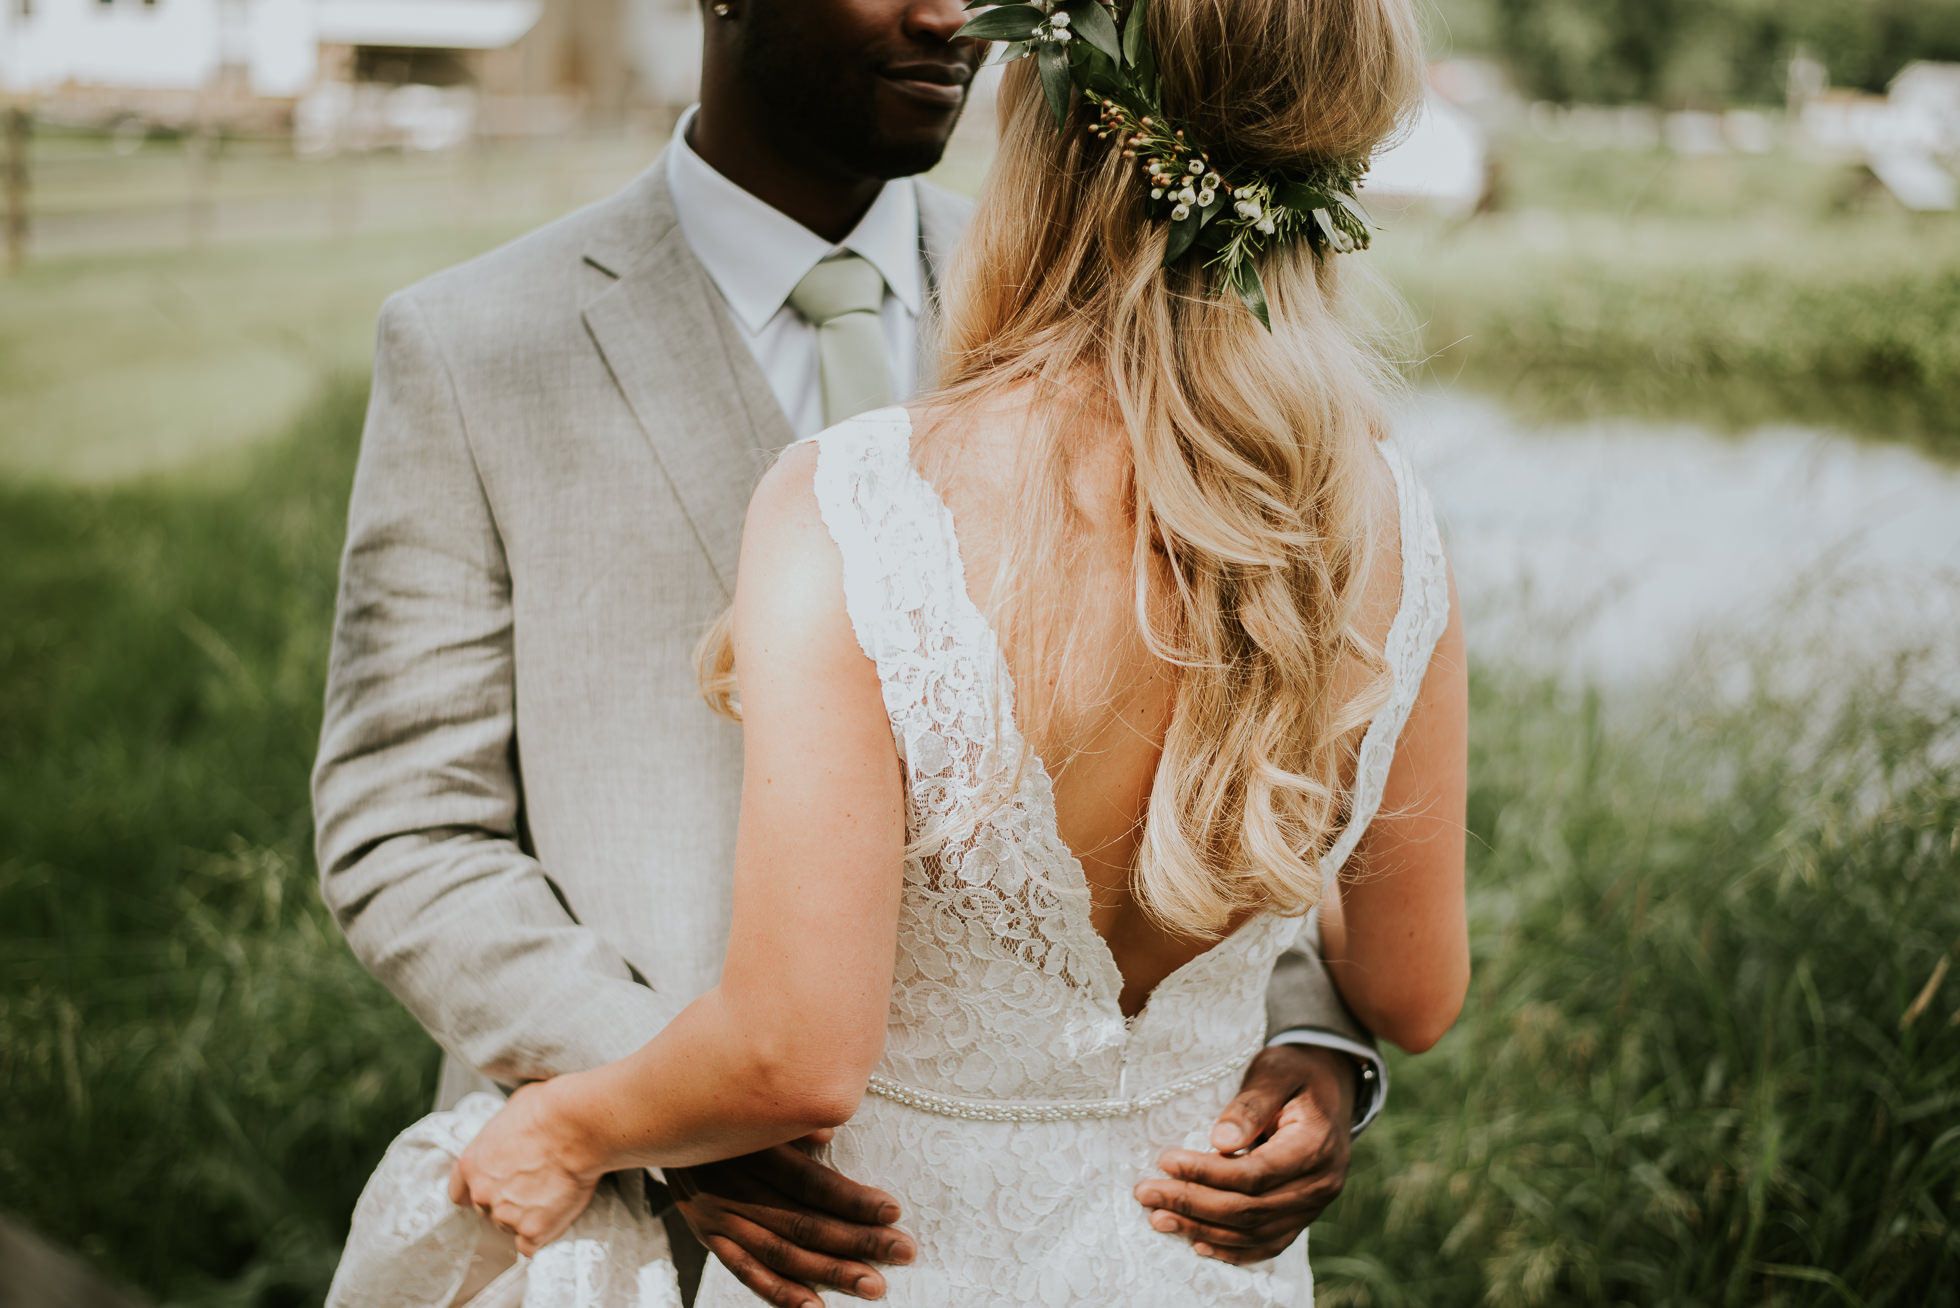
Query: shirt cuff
pixel 1372 1091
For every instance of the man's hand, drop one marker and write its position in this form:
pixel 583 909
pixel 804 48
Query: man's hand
pixel 1293 1119
pixel 780 1220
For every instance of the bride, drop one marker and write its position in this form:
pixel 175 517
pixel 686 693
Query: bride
pixel 1066 694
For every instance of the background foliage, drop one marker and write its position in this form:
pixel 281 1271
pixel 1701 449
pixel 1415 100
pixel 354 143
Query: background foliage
pixel 1738 288
pixel 198 1074
pixel 1702 1063
pixel 1697 53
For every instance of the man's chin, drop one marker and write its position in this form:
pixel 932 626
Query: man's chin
pixel 891 158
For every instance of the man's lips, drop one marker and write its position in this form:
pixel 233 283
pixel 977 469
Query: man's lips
pixel 935 83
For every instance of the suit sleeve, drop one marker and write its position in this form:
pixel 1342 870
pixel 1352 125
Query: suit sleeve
pixel 1304 1008
pixel 415 792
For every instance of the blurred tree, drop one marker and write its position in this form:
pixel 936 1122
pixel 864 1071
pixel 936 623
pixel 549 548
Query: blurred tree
pixel 1697 52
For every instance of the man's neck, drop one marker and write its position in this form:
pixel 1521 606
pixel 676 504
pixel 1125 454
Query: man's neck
pixel 828 204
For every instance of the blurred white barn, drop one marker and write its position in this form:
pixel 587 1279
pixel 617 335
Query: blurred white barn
pixel 503 65
pixel 1909 138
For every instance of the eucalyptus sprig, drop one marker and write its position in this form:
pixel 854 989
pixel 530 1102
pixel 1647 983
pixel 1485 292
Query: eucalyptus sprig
pixel 1225 212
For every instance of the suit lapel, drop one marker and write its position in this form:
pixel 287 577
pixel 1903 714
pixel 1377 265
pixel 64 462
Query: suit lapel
pixel 676 355
pixel 694 388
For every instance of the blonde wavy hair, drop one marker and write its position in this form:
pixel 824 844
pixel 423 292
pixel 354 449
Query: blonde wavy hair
pixel 1249 451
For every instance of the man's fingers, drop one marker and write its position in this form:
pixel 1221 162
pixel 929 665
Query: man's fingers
pixel 1258 1236
pixel 829 1191
pixel 1250 1174
pixel 820 1233
pixel 797 1264
pixel 1238 1257
pixel 1292 1206
pixel 1272 1078
pixel 1202 1204
pixel 762 1282
pixel 1302 1148
pixel 1271 1165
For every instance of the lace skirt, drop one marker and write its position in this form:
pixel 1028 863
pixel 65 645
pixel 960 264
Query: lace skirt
pixel 409 1247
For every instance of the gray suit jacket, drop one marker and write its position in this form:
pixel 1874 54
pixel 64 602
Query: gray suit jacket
pixel 525 813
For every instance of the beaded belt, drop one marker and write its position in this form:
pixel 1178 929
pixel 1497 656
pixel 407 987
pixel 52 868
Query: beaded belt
pixel 1054 1110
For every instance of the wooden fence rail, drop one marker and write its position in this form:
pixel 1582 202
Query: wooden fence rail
pixel 70 192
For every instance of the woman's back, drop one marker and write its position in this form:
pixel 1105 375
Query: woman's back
pixel 1019 1097
pixel 1109 698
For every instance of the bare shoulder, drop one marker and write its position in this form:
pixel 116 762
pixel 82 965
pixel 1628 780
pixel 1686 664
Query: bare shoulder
pixel 787 494
pixel 789 590
pixel 784 537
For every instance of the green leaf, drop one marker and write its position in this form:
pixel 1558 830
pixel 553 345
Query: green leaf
pixel 1298 195
pixel 1091 22
pixel 1136 47
pixel 1353 206
pixel 1099 77
pixel 1052 59
pixel 1245 280
pixel 1183 232
pixel 1015 50
pixel 1143 63
pixel 1007 23
pixel 1337 238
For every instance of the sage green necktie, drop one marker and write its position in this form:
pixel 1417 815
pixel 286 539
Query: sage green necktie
pixel 841 297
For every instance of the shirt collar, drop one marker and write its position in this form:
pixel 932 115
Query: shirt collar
pixel 756 254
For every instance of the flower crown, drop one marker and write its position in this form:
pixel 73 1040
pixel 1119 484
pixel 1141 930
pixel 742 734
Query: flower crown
pixel 1226 213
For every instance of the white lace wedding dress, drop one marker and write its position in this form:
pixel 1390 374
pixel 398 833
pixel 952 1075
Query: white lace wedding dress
pixel 1015 1108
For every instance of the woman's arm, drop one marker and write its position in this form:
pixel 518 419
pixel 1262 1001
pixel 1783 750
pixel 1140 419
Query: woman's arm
pixel 1394 931
pixel 784 1045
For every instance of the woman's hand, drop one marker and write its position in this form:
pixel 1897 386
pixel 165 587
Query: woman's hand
pixel 524 1170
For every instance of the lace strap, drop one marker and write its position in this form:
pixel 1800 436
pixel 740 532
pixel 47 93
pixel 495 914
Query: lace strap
pixel 904 585
pixel 855 497
pixel 1419 620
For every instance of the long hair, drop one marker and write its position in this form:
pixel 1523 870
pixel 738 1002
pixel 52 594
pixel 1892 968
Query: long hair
pixel 1248 450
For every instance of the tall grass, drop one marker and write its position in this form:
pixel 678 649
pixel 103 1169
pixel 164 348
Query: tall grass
pixel 1708 1057
pixel 197 1073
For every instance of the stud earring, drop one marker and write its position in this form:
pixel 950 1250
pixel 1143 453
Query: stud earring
pixel 723 9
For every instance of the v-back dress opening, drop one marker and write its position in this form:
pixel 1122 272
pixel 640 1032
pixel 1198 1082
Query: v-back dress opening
pixel 1015 1107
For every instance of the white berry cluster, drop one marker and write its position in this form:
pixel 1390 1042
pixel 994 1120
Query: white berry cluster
pixel 1255 205
pixel 1054 28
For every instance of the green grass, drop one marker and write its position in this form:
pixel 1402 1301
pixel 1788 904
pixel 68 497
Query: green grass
pixel 1682 1077
pixel 1695 1068
pixel 1735 289
pixel 123 365
pixel 198 1073
pixel 1602 317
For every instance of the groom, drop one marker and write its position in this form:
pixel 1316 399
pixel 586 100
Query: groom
pixel 525 814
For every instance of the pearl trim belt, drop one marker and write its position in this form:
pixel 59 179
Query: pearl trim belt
pixel 1066 1110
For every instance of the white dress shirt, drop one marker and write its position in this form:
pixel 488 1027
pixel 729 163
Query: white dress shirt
pixel 756 254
